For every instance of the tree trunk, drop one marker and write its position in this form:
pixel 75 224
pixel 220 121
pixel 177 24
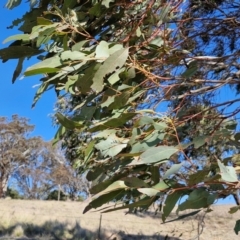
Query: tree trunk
pixel 3 187
pixel 59 191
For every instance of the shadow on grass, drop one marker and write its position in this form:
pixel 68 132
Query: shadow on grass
pixel 54 230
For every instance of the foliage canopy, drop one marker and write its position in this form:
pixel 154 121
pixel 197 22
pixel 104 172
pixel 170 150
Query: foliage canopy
pixel 113 64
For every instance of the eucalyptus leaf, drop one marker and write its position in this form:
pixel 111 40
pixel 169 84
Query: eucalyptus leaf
pixel 110 65
pixel 228 173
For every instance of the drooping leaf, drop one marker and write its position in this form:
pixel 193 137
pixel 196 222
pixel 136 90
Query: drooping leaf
pixel 44 86
pixel 59 134
pixel 170 203
pixel 155 174
pixel 237 227
pixel 18 69
pixel 67 123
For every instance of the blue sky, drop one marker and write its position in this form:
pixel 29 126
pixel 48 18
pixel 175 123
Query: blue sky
pixel 17 98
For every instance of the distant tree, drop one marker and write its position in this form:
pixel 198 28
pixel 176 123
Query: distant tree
pixel 16 147
pixel 34 179
pixel 55 195
pixel 13 193
pixel 68 181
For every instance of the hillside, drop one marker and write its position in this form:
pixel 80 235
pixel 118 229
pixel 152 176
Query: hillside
pixel 25 219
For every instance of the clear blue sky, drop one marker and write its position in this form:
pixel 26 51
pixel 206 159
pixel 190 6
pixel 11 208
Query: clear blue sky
pixel 17 98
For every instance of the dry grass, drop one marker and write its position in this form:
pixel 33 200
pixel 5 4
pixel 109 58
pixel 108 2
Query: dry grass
pixel 20 219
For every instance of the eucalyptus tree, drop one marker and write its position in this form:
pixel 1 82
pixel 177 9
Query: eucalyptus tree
pixel 112 64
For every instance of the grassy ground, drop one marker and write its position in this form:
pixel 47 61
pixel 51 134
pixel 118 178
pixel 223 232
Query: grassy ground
pixel 22 219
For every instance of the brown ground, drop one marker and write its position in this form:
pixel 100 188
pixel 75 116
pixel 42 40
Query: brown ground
pixel 23 219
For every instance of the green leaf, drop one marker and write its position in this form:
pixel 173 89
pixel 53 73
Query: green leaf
pixel 198 177
pixel 170 203
pixel 150 141
pixel 12 3
pixel 199 141
pixel 98 202
pixel 43 21
pixel 114 122
pixel 23 37
pixel 191 70
pixel 41 71
pixel 198 198
pixel 67 123
pixel 234 209
pixel 120 101
pixel 155 154
pixel 52 62
pixel 138 32
pixel 237 227
pixel 110 65
pixel 155 175
pixel 144 120
pixel 84 82
pixel 227 173
pixel 161 186
pixel 39 93
pixel 96 10
pixel 134 182
pixel 102 50
pixel 45 34
pixel 111 146
pixel 107 2
pixel 18 69
pixel 141 203
pixel 78 46
pixel 148 191
pixel 59 134
pixel 16 52
pixel 72 55
pixel 174 168
pixel 113 187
